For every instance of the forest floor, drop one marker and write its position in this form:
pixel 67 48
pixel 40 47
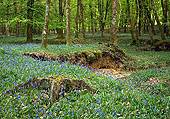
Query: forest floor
pixel 144 91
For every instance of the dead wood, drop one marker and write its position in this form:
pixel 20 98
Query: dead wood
pixel 56 86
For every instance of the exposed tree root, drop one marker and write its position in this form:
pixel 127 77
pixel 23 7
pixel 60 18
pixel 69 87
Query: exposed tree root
pixel 56 86
pixel 108 57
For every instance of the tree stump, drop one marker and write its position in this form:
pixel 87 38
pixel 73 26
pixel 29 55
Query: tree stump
pixel 56 86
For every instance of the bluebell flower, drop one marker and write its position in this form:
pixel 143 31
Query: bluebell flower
pixel 114 114
pixel 19 97
pixel 98 101
pixel 145 102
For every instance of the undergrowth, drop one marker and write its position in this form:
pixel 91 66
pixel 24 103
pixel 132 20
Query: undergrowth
pixel 128 99
pixel 114 98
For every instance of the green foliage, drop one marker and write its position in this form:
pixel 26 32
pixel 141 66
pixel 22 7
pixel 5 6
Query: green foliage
pixel 114 98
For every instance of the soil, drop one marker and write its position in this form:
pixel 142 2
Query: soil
pixel 108 61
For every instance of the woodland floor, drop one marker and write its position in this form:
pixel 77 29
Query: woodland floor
pixel 128 84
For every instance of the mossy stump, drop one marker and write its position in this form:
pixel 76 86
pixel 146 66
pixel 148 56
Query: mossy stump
pixel 56 86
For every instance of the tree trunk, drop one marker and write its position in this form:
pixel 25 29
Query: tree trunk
pixel 68 30
pixel 30 5
pixel 77 21
pixel 140 24
pixel 101 16
pixel 114 27
pixel 7 32
pixel 82 19
pixel 45 30
pixel 17 22
pixel 157 20
pixel 91 19
pixel 149 21
pixel 165 16
pixel 132 26
pixel 60 30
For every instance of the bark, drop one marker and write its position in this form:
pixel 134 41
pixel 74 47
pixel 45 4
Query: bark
pixel 157 20
pixel 149 21
pixel 30 5
pixel 68 20
pixel 101 15
pixel 7 29
pixel 17 28
pixel 91 19
pixel 45 30
pixel 132 26
pixel 137 18
pixel 82 19
pixel 60 30
pixel 114 27
pixel 140 24
pixel 77 21
pixel 164 4
pixel 17 22
pixel 7 32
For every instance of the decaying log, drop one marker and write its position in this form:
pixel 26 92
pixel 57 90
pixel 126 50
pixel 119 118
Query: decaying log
pixel 56 86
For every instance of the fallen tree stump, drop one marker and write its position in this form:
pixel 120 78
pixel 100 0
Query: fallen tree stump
pixel 55 86
pixel 109 56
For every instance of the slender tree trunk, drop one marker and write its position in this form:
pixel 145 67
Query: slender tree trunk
pixel 7 32
pixel 17 29
pixel 158 21
pixel 114 15
pixel 68 20
pixel 140 24
pixel 91 19
pixel 82 19
pixel 60 30
pixel 77 21
pixel 165 16
pixel 137 18
pixel 17 22
pixel 101 16
pixel 30 5
pixel 132 26
pixel 45 30
pixel 7 29
pixel 149 22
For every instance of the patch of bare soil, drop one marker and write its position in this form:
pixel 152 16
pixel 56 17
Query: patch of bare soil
pixel 153 81
pixel 55 86
pixel 117 74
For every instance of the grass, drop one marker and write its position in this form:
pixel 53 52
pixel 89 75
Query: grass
pixel 52 49
pixel 143 59
pixel 114 98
